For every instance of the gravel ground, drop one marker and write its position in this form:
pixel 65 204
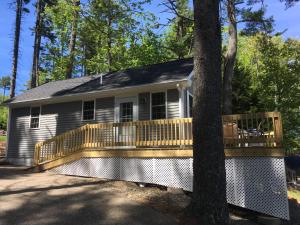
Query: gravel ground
pixel 46 198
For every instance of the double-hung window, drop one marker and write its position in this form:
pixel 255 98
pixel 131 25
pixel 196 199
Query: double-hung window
pixel 88 110
pixel 158 102
pixel 35 117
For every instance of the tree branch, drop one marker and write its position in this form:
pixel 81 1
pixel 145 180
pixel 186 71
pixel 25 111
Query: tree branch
pixel 171 5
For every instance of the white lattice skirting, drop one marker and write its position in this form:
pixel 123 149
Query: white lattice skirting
pixel 256 183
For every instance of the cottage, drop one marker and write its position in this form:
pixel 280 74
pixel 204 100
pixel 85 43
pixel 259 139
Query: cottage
pixel 136 125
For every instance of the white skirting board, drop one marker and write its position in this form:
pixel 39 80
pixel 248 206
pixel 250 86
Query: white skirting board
pixel 256 183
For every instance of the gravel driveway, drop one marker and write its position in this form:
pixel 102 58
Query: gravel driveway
pixel 45 198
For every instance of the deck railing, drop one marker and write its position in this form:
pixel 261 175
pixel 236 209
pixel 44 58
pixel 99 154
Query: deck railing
pixel 240 131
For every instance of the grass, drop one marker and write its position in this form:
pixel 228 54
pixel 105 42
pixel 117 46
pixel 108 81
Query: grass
pixel 294 194
pixel 2 138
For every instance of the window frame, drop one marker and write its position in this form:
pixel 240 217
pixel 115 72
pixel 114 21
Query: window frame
pixel 166 104
pixel 39 117
pixel 120 112
pixel 82 109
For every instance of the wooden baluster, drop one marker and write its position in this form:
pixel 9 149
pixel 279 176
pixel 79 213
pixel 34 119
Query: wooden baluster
pixel 114 128
pixel 275 130
pixel 185 131
pixel 97 136
pixel 149 133
pixel 268 132
pixel 178 121
pixel 242 132
pixel 101 130
pixel 58 145
pixel 145 132
pixel 94 136
pixel 278 130
pixel 191 131
pixel 150 124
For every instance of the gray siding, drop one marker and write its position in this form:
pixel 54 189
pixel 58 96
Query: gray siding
pixel 105 110
pixel 55 119
pixel 61 117
pixel 20 137
pixel 172 104
pixel 144 106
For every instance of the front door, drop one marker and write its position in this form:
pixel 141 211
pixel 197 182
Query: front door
pixel 126 111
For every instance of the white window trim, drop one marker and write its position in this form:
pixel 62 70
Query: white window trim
pixel 166 102
pixel 119 100
pixel 188 103
pixel 35 117
pixel 82 103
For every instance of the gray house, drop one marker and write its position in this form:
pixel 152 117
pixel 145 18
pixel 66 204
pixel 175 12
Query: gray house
pixel 152 92
pixel 136 125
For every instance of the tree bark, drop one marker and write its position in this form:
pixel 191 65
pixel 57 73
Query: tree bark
pixel 19 8
pixel 230 58
pixel 109 36
pixel 208 205
pixel 72 43
pixel 37 44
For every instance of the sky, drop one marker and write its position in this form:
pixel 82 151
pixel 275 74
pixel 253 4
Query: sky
pixel 284 19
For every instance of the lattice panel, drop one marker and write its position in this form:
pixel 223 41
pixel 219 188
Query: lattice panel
pixel 257 183
pixel 105 168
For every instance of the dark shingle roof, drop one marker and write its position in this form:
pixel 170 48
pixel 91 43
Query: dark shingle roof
pixel 157 73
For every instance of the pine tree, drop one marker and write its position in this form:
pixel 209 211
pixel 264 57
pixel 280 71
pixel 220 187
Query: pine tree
pixel 19 12
pixel 72 43
pixel 208 205
pixel 179 36
pixel 254 21
pixel 40 4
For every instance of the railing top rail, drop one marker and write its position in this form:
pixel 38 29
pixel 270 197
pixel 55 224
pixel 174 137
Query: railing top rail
pixel 61 135
pixel 248 115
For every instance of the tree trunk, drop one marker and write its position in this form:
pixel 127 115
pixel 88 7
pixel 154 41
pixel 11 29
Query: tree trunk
pixel 37 44
pixel 72 43
pixel 208 205
pixel 19 8
pixel 109 37
pixel 230 58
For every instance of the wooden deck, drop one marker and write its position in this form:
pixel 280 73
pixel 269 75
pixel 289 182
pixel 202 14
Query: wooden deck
pixel 258 134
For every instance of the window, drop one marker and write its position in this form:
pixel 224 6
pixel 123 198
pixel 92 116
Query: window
pixel 35 117
pixel 158 105
pixel 126 110
pixel 190 106
pixel 88 111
